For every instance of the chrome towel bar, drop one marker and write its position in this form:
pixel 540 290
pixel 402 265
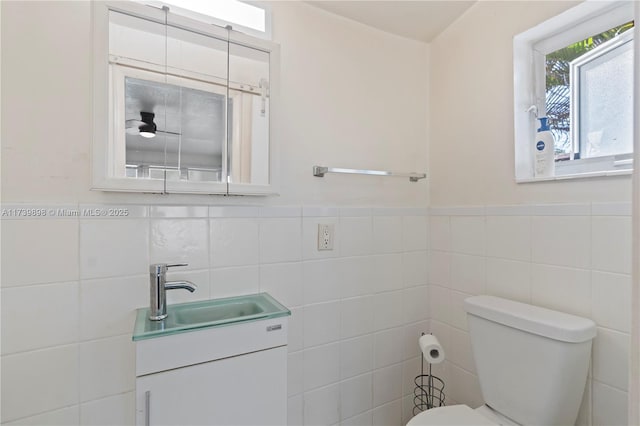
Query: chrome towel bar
pixel 320 171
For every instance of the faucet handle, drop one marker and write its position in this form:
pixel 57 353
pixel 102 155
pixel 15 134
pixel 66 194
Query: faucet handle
pixel 173 265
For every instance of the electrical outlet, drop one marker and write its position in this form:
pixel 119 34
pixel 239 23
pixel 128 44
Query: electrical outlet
pixel 325 236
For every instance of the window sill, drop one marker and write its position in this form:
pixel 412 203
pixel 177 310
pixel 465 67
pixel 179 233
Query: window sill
pixel 624 172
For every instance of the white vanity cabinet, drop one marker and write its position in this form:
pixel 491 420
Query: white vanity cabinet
pixel 230 375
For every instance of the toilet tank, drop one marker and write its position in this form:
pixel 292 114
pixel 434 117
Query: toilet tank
pixel 532 362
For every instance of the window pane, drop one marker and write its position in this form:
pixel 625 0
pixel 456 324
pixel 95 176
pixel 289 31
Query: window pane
pixel 189 133
pixel 558 88
pixel 606 104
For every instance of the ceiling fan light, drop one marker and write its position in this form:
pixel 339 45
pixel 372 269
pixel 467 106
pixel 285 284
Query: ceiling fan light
pixel 148 128
pixel 147 134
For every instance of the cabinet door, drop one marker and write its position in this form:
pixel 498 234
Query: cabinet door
pixel 243 390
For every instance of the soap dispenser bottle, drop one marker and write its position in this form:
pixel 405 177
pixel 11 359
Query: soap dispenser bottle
pixel 544 151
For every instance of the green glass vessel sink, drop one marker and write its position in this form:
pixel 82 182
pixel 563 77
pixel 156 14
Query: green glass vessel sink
pixel 191 316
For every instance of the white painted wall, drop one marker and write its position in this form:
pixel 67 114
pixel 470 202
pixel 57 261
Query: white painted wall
pixel 351 96
pixel 471 149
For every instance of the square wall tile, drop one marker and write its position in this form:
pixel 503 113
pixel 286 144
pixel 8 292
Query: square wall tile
pixel 356 316
pixel 228 282
pixel 415 304
pixel 612 300
pixel 321 323
pixel 180 241
pixel 38 316
pixel 388 414
pixel 53 259
pixel 39 381
pixel 440 303
pixel 387 272
pixel 509 237
pixel 356 236
pixel 563 289
pixel 296 330
pixel 611 244
pixel 107 367
pixel 363 419
pixel 62 417
pixel 610 358
pixel 295 411
pixel 387 310
pixel 468 235
pixel 609 405
pixel 439 270
pixel 387 234
pixel 295 373
pixel 510 279
pixel 387 384
pixel 464 387
pixel 322 406
pixel 457 315
pixel 355 276
pixel 108 306
pixel 234 242
pixel 415 267
pixel 280 240
pixel 439 233
pixel 356 356
pixel 461 354
pixel 114 410
pixel 561 240
pixel 114 248
pixel 388 347
pixel 414 233
pixel 468 273
pixel 355 395
pixel 284 282
pixel 321 280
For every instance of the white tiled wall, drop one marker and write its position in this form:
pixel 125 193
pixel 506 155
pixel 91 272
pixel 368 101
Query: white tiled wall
pixel 70 287
pixel 573 258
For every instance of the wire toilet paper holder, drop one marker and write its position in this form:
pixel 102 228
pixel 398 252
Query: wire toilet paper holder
pixel 429 390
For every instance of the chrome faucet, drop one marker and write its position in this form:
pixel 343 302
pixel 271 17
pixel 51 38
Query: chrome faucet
pixel 159 287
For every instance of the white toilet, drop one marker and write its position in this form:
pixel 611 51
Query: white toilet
pixel 532 365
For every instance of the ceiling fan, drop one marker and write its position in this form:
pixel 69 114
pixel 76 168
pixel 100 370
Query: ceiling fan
pixel 145 127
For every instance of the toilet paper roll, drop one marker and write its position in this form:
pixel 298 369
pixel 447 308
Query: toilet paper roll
pixel 431 349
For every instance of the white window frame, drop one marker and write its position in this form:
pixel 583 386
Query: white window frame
pixel 529 51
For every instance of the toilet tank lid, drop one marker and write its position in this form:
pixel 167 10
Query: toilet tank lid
pixel 533 319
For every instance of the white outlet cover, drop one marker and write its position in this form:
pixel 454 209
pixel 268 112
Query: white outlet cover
pixel 325 236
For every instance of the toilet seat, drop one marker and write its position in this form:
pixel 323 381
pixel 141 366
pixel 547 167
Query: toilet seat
pixel 453 415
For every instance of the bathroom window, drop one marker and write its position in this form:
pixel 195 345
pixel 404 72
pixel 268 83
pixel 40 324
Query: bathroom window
pixel 577 70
